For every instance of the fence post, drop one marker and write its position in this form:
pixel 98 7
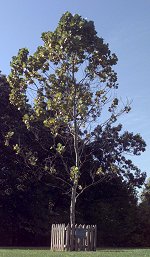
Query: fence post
pixel 76 239
pixel 95 238
pixel 72 238
pixel 67 237
pixel 84 239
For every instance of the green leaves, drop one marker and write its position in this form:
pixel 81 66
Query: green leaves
pixel 8 136
pixel 66 84
pixel 74 174
pixel 52 74
pixel 60 148
pixel 17 148
pixel 99 171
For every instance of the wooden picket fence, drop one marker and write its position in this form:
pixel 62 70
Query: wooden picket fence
pixel 78 238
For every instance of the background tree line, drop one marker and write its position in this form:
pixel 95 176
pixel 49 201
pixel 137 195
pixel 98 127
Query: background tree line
pixel 53 167
pixel 30 201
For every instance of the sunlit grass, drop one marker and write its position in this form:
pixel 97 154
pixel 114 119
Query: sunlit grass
pixel 98 253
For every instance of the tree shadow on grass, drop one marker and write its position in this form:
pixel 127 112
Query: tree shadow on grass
pixel 116 249
pixel 24 248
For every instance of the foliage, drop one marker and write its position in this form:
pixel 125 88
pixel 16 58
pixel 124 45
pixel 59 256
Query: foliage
pixel 111 148
pixel 143 228
pixel 71 80
pixel 23 200
pixel 30 195
pixel 112 205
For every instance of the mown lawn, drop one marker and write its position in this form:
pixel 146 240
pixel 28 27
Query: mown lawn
pixel 99 253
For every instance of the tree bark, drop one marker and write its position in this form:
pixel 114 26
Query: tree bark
pixel 76 149
pixel 72 206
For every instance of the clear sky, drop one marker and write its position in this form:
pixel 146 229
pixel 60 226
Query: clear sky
pixel 125 25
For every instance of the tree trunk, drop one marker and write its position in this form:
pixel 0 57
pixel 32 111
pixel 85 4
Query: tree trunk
pixel 72 216
pixel 72 206
pixel 76 149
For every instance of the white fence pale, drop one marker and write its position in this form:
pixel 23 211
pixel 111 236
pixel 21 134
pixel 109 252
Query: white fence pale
pixel 78 238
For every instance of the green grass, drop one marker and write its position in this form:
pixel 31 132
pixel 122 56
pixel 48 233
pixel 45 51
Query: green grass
pixel 99 253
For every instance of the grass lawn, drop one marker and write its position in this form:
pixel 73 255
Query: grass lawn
pixel 98 253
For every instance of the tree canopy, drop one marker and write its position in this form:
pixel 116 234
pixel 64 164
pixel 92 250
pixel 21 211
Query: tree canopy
pixel 66 85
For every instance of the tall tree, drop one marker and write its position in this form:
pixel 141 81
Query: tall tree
pixel 113 149
pixel 72 81
pixel 24 201
pixel 112 205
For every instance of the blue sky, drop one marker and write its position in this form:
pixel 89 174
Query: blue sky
pixel 125 25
